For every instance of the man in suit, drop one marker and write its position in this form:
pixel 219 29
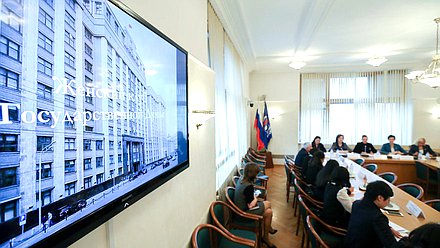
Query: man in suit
pixel 368 226
pixel 421 147
pixel 364 146
pixel 303 156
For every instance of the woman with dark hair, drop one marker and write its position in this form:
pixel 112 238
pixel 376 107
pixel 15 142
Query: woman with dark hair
pixel 246 199
pixel 337 202
pixel 426 236
pixel 339 144
pixel 317 145
pixel 323 178
pixel 315 165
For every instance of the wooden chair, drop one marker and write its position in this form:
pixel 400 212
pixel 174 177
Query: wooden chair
pixel 251 222
pixel 371 167
pixel 256 160
pixel 389 177
pixel 301 191
pixel 206 235
pixel 435 204
pixel 315 239
pixel 334 234
pixel 359 161
pixel 412 189
pixel 220 213
pixel 256 154
pixel 427 176
pixel 263 194
pixel 289 181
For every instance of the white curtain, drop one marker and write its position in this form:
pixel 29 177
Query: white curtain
pixel 230 115
pixel 376 104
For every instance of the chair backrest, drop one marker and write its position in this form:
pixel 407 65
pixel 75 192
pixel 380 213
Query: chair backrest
pixel 235 180
pixel 412 189
pixel 389 177
pixel 315 238
pixel 359 161
pixel 435 204
pixel 421 171
pixel 208 236
pixel 217 210
pixel 371 167
pixel 300 187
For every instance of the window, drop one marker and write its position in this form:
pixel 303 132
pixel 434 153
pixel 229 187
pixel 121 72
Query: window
pixel 110 131
pixel 9 48
pixel 119 158
pixel 71 3
pixel 87 164
pixel 88 99
pixel 88 50
pixel 46 171
pixel 8 211
pixel 112 159
pixel 69 144
pixel 87 182
pixel 69 166
pixel 69 38
pixel 69 124
pixel 88 66
pixel 119 143
pixel 70 20
pixel 45 117
pixel 87 144
pixel 88 34
pixel 49 2
pixel 120 171
pixel 69 101
pixel 99 145
pixel 99 162
pixel 45 18
pixel 44 67
pixel 43 142
pixel 12 112
pixel 46 196
pixel 8 177
pixel 69 189
pixel 98 8
pixel 108 15
pixel 109 61
pixel 88 129
pixel 372 103
pixel 45 43
pixel 116 27
pixel 11 19
pixel 100 178
pixel 111 145
pixel 110 103
pixel 44 92
pixel 8 79
pixel 69 59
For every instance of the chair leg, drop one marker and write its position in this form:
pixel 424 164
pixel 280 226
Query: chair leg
pixel 302 238
pixel 297 223
pixel 287 191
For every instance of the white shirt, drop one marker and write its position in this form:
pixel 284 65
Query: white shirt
pixel 345 200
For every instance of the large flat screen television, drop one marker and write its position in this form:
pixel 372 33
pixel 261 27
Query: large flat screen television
pixel 93 116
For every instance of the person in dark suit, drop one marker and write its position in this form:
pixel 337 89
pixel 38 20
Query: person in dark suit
pixel 368 226
pixel 421 147
pixel 315 165
pixel 323 178
pixel 317 145
pixel 392 147
pixel 303 156
pixel 364 146
pixel 339 144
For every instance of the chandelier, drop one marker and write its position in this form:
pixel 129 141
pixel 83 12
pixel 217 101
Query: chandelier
pixel 430 76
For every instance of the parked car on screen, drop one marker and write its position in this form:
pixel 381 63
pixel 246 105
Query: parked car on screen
pixel 165 164
pixel 78 206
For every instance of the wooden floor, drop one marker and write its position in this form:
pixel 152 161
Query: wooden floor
pixel 283 219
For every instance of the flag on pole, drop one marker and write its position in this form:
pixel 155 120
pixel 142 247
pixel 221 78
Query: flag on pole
pixel 266 126
pixel 261 136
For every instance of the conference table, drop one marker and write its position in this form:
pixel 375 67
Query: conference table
pixel 401 198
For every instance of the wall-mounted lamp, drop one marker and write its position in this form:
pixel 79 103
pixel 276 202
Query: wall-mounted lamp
pixel 202 116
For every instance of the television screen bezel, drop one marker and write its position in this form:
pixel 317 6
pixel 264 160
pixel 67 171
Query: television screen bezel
pixel 75 231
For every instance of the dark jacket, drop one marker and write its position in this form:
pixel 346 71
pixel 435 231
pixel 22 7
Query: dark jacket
pixel 361 147
pixel 312 170
pixel 335 147
pixel 302 154
pixel 426 148
pixel 386 148
pixel 333 212
pixel 319 148
pixel 368 227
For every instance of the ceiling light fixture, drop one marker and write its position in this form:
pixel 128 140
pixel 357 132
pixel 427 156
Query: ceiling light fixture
pixel 431 76
pixel 376 61
pixel 297 64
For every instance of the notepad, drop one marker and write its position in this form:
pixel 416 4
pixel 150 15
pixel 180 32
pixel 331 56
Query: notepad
pixel 399 229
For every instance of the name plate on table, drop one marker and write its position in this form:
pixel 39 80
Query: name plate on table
pixel 406 158
pixel 380 156
pixel 415 210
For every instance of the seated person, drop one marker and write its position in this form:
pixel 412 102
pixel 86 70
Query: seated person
pixel 303 156
pixel 337 202
pixel 368 226
pixel 392 148
pixel 339 145
pixel 421 148
pixel 364 146
pixel 315 165
pixel 247 201
pixel 317 145
pixel 426 236
pixel 323 178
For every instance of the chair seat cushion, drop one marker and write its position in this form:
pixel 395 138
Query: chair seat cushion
pixel 244 234
pixel 332 240
pixel 225 243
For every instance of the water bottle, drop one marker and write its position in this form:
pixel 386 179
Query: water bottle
pixel 428 156
pixel 419 157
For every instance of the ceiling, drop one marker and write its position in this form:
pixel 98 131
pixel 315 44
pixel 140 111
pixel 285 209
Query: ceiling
pixel 331 35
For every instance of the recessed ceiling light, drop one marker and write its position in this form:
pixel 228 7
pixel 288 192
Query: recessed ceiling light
pixel 297 64
pixel 376 61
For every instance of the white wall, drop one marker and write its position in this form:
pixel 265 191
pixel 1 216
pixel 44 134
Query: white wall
pixel 282 97
pixel 167 216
